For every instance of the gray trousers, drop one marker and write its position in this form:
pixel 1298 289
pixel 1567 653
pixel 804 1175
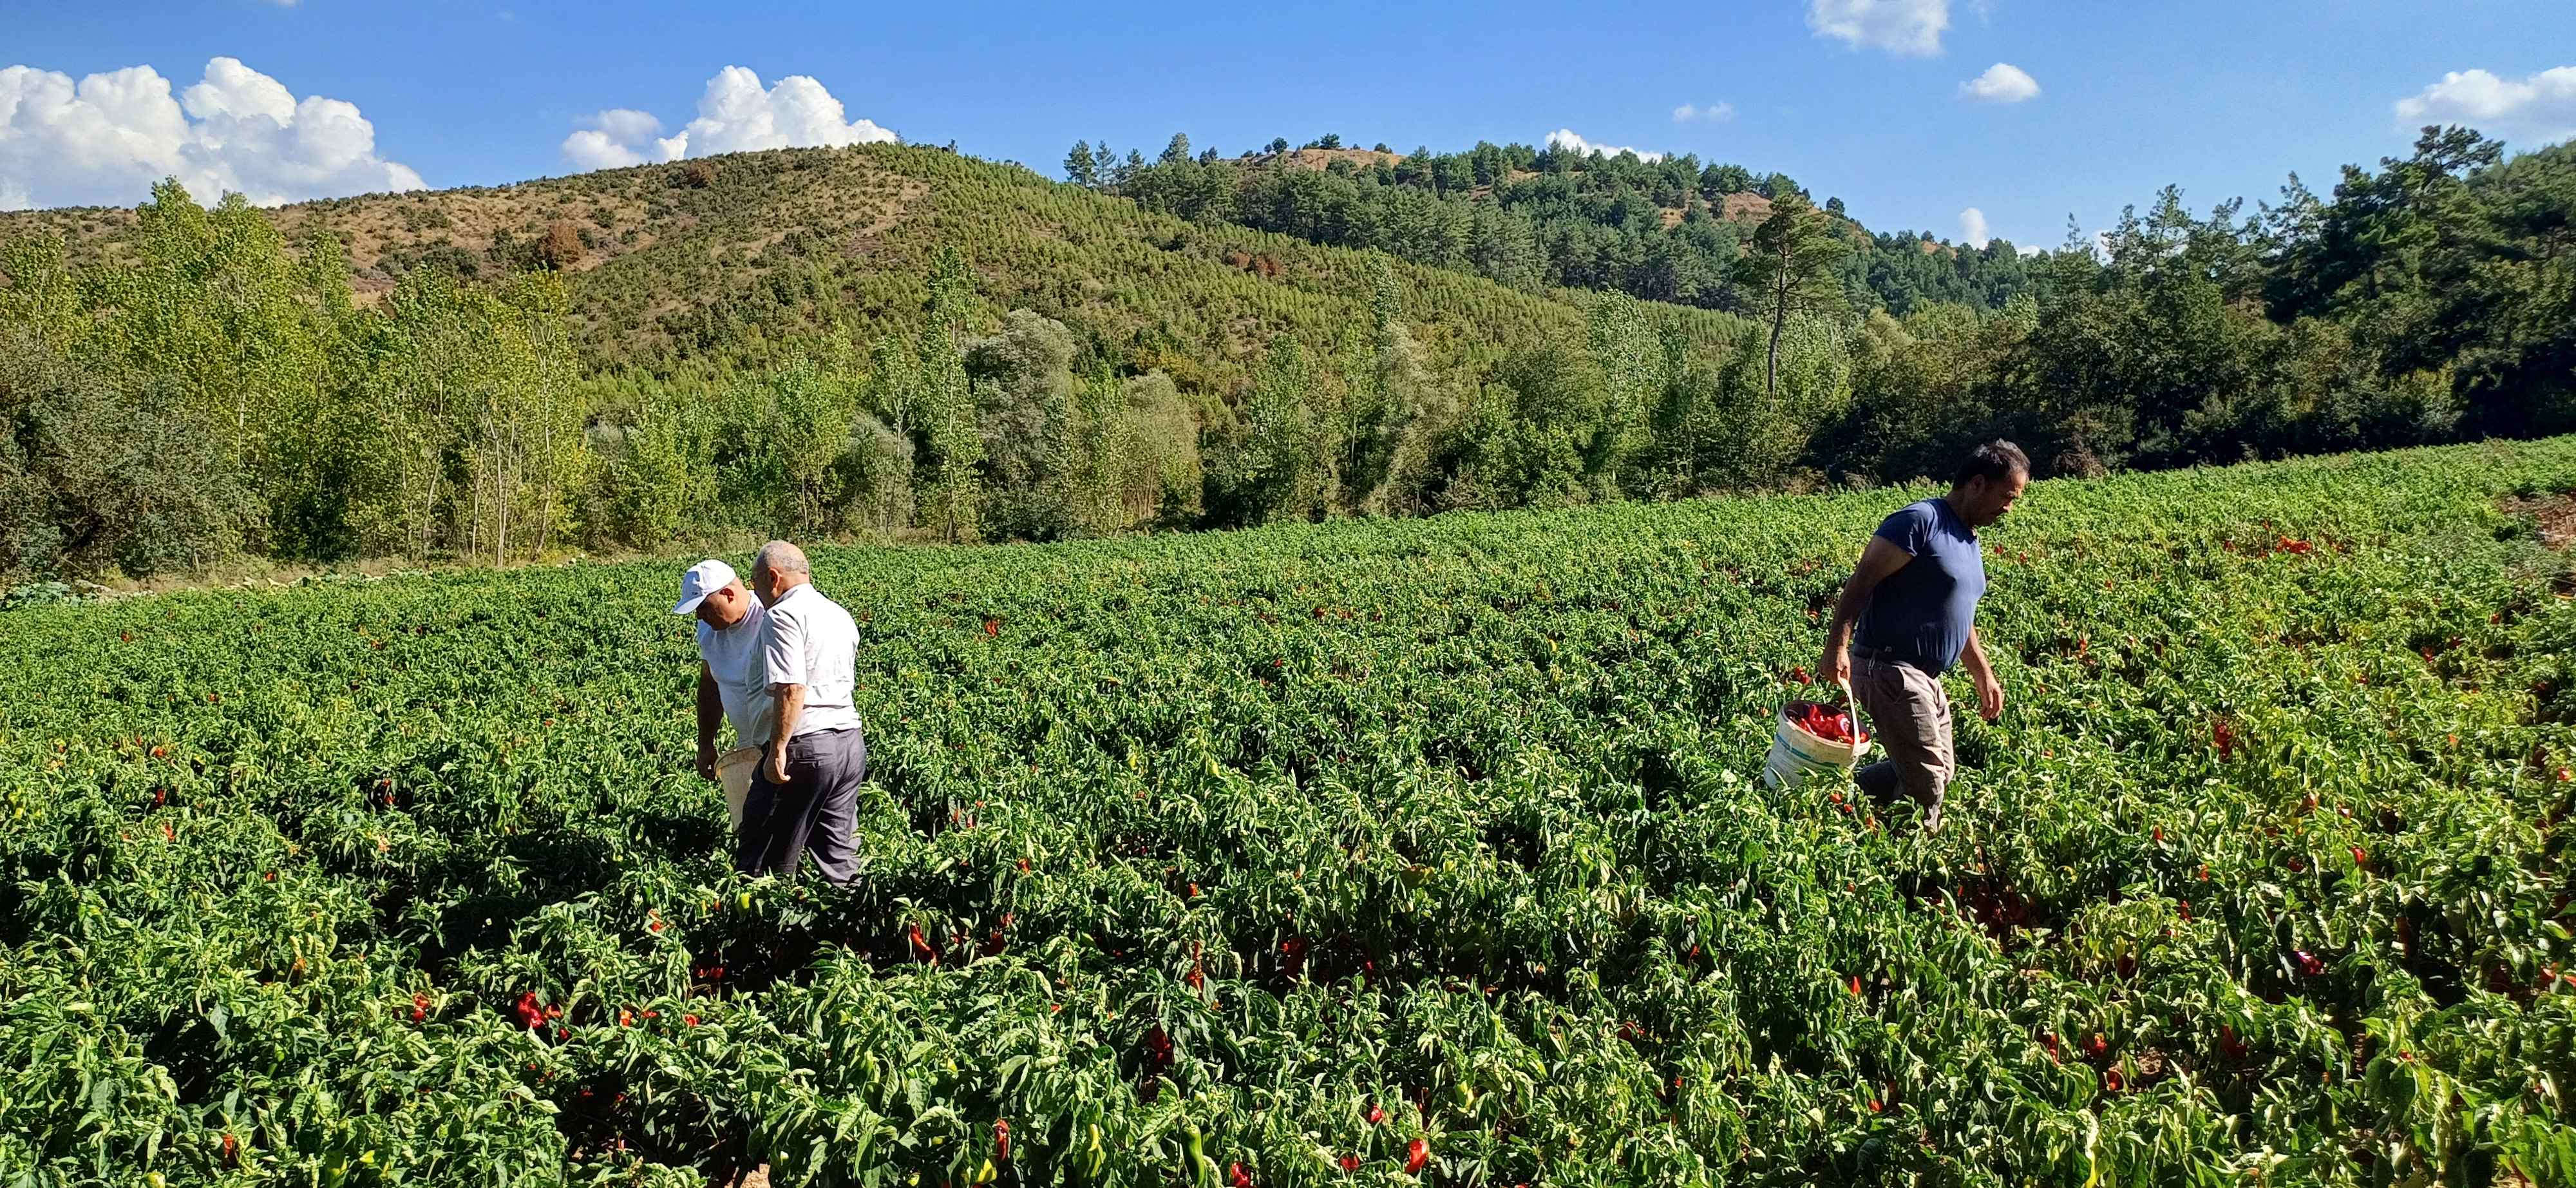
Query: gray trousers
pixel 817 809
pixel 1910 713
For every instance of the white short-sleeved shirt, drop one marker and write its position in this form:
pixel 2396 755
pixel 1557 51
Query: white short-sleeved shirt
pixel 814 643
pixel 738 657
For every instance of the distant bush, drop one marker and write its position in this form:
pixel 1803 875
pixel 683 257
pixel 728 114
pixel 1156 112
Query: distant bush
pixel 560 248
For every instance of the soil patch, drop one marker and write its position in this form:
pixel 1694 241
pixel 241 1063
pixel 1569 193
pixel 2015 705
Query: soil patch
pixel 2555 514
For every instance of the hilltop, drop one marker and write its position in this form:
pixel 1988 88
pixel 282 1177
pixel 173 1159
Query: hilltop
pixel 734 259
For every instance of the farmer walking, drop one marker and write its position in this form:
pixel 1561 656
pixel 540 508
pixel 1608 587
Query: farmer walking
pixel 733 675
pixel 805 793
pixel 1914 599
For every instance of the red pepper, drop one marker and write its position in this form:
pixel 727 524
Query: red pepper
pixel 1235 1176
pixel 1416 1153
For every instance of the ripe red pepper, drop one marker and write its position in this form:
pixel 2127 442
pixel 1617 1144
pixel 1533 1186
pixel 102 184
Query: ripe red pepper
pixel 1416 1153
pixel 419 1007
pixel 1235 1176
pixel 531 1016
pixel 1002 1139
pixel 1375 1115
pixel 1350 1163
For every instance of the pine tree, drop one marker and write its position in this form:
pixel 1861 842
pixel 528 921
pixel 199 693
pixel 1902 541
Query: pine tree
pixel 1081 168
pixel 1790 271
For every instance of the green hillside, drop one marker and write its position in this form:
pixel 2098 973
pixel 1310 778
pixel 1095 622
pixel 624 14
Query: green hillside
pixel 903 342
pixel 740 258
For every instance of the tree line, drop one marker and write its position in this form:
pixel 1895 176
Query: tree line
pixel 210 390
pixel 1669 229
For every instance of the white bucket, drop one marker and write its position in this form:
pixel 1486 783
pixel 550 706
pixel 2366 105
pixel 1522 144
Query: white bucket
pixel 733 770
pixel 1796 753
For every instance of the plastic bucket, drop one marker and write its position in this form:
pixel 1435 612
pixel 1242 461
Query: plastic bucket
pixel 1797 753
pixel 733 770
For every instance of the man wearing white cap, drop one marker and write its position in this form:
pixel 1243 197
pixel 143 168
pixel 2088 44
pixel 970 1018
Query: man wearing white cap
pixel 733 675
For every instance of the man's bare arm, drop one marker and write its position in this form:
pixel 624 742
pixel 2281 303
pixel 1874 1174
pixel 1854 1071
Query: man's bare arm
pixel 1877 562
pixel 1990 690
pixel 791 706
pixel 710 719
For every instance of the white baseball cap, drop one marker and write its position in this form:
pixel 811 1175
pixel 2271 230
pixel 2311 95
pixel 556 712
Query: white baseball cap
pixel 704 578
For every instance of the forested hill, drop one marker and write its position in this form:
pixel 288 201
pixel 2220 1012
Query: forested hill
pixel 1664 229
pixel 900 341
pixel 748 258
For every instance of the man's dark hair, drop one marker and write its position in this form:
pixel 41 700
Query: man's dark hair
pixel 1997 460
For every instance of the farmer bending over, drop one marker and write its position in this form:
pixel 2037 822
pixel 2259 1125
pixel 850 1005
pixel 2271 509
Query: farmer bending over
pixel 1914 596
pixel 733 674
pixel 805 793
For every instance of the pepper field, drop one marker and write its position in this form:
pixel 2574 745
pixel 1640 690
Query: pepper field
pixel 1363 853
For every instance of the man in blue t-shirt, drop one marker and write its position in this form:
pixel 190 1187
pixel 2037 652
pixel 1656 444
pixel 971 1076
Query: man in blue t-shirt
pixel 1914 598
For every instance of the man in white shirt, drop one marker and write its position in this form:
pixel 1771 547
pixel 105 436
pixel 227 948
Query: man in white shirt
pixel 805 795
pixel 733 673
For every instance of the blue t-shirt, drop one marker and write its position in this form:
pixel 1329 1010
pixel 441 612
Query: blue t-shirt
pixel 1923 612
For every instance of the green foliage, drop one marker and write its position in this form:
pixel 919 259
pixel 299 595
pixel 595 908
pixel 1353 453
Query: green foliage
pixel 1283 847
pixel 394 384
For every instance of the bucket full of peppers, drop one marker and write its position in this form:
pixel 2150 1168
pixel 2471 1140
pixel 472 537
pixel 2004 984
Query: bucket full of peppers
pixel 1814 737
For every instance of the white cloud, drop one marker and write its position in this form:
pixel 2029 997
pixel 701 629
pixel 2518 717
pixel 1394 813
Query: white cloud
pixel 2537 110
pixel 1715 113
pixel 1897 26
pixel 1565 139
pixel 615 139
pixel 2002 82
pixel 734 115
pixel 106 139
pixel 2028 250
pixel 1972 228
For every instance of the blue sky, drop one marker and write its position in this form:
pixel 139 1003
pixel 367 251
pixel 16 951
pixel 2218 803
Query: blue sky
pixel 1861 99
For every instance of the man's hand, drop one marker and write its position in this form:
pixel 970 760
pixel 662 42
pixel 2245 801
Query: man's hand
pixel 706 759
pixel 1835 668
pixel 775 763
pixel 1990 694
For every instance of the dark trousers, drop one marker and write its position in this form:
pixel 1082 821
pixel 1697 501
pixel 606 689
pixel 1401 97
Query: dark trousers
pixel 817 808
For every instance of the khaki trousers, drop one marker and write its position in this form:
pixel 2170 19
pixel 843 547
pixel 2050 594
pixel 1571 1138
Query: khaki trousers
pixel 1909 714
